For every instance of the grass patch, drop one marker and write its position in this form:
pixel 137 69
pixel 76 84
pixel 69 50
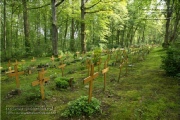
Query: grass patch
pixel 144 93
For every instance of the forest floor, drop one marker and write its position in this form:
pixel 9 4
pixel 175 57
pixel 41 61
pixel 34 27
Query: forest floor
pixel 144 93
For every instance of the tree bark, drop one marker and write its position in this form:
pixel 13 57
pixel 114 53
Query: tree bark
pixel 26 27
pixel 168 15
pixel 117 37
pixel 72 42
pixel 54 29
pixel 4 38
pixel 65 34
pixel 83 43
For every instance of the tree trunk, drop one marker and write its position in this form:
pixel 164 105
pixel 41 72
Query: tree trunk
pixel 26 27
pixel 45 29
pixel 65 34
pixel 122 39
pixel 117 37
pixel 54 29
pixel 72 42
pixel 4 38
pixel 168 15
pixel 143 36
pixel 83 44
pixel 176 23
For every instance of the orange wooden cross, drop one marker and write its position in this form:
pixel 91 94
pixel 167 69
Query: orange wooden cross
pixel 90 80
pixel 62 68
pixel 16 74
pixel 33 59
pixel 40 81
pixel 52 58
pixel 104 71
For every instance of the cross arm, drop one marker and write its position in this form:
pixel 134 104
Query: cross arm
pixel 90 78
pixel 61 66
pixel 105 70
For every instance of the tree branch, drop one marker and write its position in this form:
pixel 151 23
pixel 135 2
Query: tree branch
pixel 59 3
pixel 93 5
pixel 39 7
pixel 95 11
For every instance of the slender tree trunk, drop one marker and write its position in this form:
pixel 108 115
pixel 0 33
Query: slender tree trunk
pixel 122 39
pixel 176 24
pixel 4 38
pixel 83 34
pixel 117 37
pixel 143 35
pixel 72 42
pixel 65 33
pixel 54 29
pixel 26 26
pixel 45 29
pixel 168 15
pixel 112 32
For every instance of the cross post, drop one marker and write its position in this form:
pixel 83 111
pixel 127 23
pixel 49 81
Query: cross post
pixel 33 59
pixel 62 68
pixel 104 71
pixel 99 63
pixel 88 65
pixel 52 58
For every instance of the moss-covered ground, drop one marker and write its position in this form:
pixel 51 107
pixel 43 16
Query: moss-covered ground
pixel 144 93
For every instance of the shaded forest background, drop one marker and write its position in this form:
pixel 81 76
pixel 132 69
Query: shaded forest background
pixel 44 27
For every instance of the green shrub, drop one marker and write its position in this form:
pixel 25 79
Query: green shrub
pixel 62 82
pixel 171 62
pixel 82 107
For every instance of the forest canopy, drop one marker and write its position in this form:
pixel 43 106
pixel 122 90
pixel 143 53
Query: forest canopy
pixel 44 27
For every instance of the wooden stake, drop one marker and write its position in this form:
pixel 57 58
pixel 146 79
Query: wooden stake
pixel 126 65
pixel 120 67
pixel 16 74
pixel 99 63
pixel 9 64
pixel 33 59
pixel 90 80
pixel 88 64
pixel 52 58
pixel 40 81
pixel 62 68
pixel 77 53
pixel 104 71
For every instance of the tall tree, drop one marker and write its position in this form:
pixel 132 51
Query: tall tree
pixel 26 26
pixel 54 27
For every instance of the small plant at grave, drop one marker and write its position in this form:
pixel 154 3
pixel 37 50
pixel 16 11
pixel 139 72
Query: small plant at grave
pixel 30 94
pixel 171 62
pixel 62 82
pixel 81 107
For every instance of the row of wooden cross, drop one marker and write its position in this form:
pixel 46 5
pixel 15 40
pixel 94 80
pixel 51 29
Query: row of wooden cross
pixel 41 79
